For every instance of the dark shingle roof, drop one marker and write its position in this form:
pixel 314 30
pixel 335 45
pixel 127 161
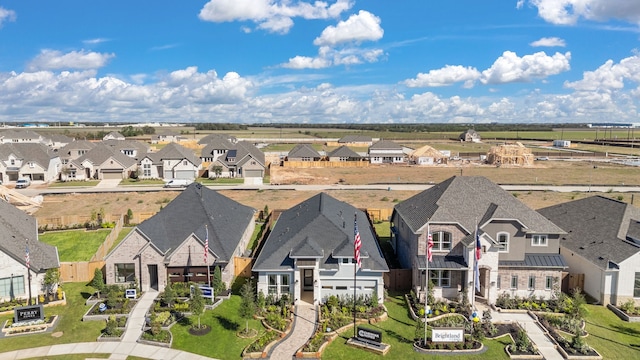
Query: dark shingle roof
pixel 303 150
pixel 325 222
pixel 344 151
pixel 190 211
pixel 385 145
pixel 15 227
pixel 467 199
pixel 176 152
pixel 597 228
pixel 216 138
pixel 536 261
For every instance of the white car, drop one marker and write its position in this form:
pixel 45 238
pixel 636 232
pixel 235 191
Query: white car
pixel 23 183
pixel 173 183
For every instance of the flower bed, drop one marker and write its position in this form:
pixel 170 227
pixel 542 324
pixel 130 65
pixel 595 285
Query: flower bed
pixel 627 311
pixel 161 338
pixel 260 347
pixel 573 348
pixel 123 308
pixel 10 328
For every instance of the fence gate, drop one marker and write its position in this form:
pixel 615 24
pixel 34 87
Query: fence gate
pixel 572 281
pixel 398 279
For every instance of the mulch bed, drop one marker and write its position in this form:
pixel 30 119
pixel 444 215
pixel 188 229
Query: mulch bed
pixel 203 330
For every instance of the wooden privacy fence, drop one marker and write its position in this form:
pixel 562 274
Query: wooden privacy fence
pixel 380 214
pixel 79 270
pixel 398 279
pixel 242 266
pixel 102 251
pixel 68 220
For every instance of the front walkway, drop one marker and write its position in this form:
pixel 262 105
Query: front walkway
pixel 137 318
pixel 304 325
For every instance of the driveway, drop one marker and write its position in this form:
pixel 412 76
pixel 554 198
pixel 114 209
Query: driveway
pixel 108 183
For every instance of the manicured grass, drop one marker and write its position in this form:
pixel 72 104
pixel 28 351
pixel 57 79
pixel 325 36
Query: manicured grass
pixel 610 336
pixel 70 322
pixel 75 245
pixel 221 342
pixel 398 331
pixel 141 182
pixel 87 183
pixel 221 181
pixel 123 233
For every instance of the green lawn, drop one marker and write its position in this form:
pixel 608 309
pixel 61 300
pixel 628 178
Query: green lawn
pixel 221 342
pixel 75 245
pixel 398 331
pixel 141 182
pixel 70 322
pixel 221 181
pixel 610 336
pixel 87 183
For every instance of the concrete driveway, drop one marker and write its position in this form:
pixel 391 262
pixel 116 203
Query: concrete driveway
pixel 108 183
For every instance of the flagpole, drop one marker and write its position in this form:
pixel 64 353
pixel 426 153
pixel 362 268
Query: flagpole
pixel 28 264
pixel 206 255
pixel 356 258
pixel 426 291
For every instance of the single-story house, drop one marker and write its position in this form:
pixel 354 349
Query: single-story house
pixel 303 152
pixel 309 254
pixel 19 231
pixel 603 243
pixel 114 135
pixel 170 246
pixel 387 152
pixel 173 161
pixel 343 153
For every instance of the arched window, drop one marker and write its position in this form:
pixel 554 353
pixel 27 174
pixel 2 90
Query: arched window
pixel 442 240
pixel 503 242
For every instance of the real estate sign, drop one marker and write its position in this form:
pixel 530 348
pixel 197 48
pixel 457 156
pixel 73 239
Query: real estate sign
pixel 207 292
pixel 447 335
pixel 28 313
pixel 369 335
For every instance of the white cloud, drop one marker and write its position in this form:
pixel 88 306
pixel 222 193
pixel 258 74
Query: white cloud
pixel 549 42
pixel 305 62
pixel 609 76
pixel 511 68
pixel 55 60
pixel 6 15
pixel 271 15
pixel 363 26
pixel 445 76
pixel 328 56
pixel 567 12
pixel 94 41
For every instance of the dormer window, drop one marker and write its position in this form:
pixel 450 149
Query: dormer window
pixel 539 240
pixel 503 242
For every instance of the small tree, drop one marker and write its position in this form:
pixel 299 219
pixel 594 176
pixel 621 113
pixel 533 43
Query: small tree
pixel 218 285
pixel 98 281
pixel 128 217
pixel 197 304
pixel 248 304
pixel 169 295
pixel 51 280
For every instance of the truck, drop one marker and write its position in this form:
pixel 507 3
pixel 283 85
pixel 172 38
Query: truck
pixel 23 183
pixel 174 183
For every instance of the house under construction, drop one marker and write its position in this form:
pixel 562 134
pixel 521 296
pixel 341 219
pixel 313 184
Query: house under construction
pixel 510 154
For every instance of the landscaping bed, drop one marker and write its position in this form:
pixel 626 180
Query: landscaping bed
pixel 9 328
pixel 627 311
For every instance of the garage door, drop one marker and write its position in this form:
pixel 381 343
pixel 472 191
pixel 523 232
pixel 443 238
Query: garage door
pixel 168 174
pixel 253 173
pixel 185 174
pixel 111 174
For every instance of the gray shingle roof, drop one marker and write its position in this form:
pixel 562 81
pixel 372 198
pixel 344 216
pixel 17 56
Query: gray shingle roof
pixel 36 152
pixel 344 151
pixel 553 261
pixel 176 152
pixel 467 199
pixel 15 227
pixel 214 138
pixel 190 211
pixel 385 145
pixel 319 221
pixel 597 228
pixel 303 150
pixel 101 153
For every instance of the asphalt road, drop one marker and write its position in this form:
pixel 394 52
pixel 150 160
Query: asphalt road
pixel 34 191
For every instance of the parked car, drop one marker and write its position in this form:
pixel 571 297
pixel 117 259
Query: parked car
pixel 542 158
pixel 23 183
pixel 177 183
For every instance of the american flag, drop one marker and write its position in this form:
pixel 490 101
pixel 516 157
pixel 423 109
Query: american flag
pixel 357 242
pixel 429 246
pixel 206 245
pixel 27 260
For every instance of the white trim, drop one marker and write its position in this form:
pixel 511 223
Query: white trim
pixel 540 237
pixel 506 249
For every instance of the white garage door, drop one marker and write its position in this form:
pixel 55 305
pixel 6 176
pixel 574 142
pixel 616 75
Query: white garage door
pixel 185 174
pixel 253 173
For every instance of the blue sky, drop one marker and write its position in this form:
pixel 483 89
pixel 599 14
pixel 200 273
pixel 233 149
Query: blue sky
pixel 335 61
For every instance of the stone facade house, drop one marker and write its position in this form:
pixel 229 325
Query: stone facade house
pixel 18 231
pixel 170 246
pixel 519 247
pixel 309 254
pixel 603 243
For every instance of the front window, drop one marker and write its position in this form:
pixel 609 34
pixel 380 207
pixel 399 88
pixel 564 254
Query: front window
pixel 440 278
pixel 503 241
pixel 514 282
pixel 284 284
pixel 539 240
pixel 146 169
pixel 532 282
pixel 549 282
pixel 273 284
pixel 125 273
pixel 636 286
pixel 12 286
pixel 441 240
pixel 279 284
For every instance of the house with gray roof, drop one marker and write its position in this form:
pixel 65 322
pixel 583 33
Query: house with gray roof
pixel 101 162
pixel 173 161
pixel 74 150
pixel 519 247
pixel 356 140
pixel 31 160
pixel 114 135
pixel 132 148
pixel 19 136
pixel 309 254
pixel 603 243
pixel 234 160
pixel 166 137
pixel 344 153
pixel 170 246
pixel 387 152
pixel 303 152
pixel 19 231
pixel 469 136
pixel 213 138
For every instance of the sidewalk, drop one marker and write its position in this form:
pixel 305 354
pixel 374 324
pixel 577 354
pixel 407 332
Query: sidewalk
pixel 137 318
pixel 303 327
pixel 536 334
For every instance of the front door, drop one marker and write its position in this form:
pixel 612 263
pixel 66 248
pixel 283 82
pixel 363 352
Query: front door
pixel 308 280
pixel 153 276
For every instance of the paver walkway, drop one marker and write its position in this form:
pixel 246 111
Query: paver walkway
pixel 536 334
pixel 136 321
pixel 303 327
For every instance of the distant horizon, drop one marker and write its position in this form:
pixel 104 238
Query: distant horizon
pixel 333 61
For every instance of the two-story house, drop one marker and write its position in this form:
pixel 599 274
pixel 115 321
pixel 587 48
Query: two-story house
pixel 519 252
pixel 173 161
pixel 32 160
pixel 240 160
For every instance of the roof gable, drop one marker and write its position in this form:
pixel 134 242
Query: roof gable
pixel 303 150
